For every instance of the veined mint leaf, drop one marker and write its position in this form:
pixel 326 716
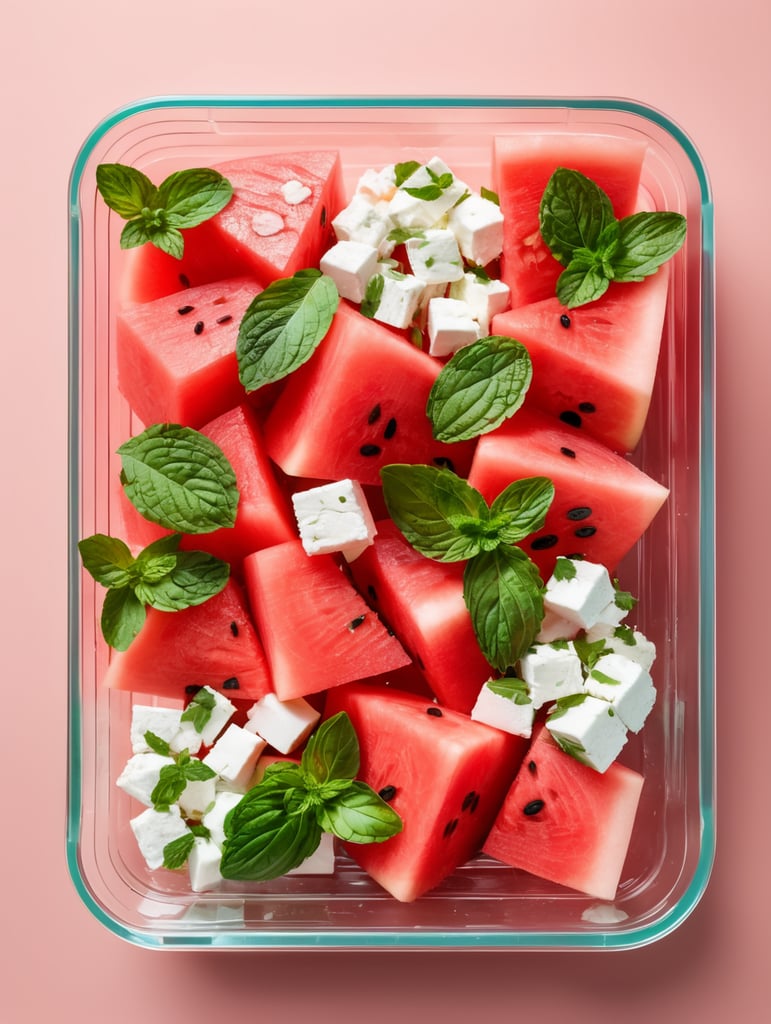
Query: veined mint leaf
pixel 582 281
pixel 195 770
pixel 589 651
pixel 176 852
pixel 178 478
pixel 439 513
pixel 167 239
pixel 169 788
pixel 125 189
pixel 573 213
pixel 194 577
pixel 623 599
pixel 107 559
pixel 283 326
pixel 332 751
pixel 189 197
pixel 646 240
pixel 479 387
pixel 511 688
pixel 359 815
pixel 123 615
pixel 520 509
pixel 134 234
pixel 626 635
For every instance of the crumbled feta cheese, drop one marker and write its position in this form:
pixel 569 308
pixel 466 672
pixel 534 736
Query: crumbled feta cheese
pixel 267 222
pixel 505 704
pixel 434 256
pixel 624 684
pixel 484 298
pixel 551 671
pixel 477 223
pixel 583 597
pixel 234 755
pixel 450 326
pixel 350 265
pixel 282 724
pixel 360 221
pixel 203 864
pixel 221 714
pixel 415 211
pixel 154 830
pixel 334 517
pixel 214 819
pixel 590 729
pixel 141 774
pixel 294 192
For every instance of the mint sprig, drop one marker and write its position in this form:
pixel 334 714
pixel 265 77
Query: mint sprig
pixel 173 779
pixel 153 214
pixel 279 822
pixel 160 576
pixel 445 518
pixel 479 387
pixel 198 711
pixel 577 223
pixel 283 326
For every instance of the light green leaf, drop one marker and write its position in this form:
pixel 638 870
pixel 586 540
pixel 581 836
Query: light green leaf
pixel 573 213
pixel 107 559
pixel 124 189
pixel 646 241
pixel 190 197
pixel 123 615
pixel 193 578
pixel 359 815
pixel 332 751
pixel 520 509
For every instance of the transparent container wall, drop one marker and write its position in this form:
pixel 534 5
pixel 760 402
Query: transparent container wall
pixel 484 904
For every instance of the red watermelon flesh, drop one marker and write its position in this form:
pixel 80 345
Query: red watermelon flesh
pixel 358 404
pixel 595 366
pixel 522 166
pixel 212 644
pixel 172 370
pixel 422 600
pixel 444 774
pixel 579 836
pixel 602 503
pixel 317 630
pixel 228 245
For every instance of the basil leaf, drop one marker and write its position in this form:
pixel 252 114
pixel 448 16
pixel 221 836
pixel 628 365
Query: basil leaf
pixel 178 478
pixel 107 559
pixel 359 815
pixel 126 190
pixel 177 851
pixel 520 509
pixel 479 387
pixel 283 790
pixel 504 595
pixel 581 282
pixel 190 197
pixel 270 844
pixel 332 751
pixel 123 615
pixel 573 213
pixel 283 326
pixel 646 240
pixel 511 688
pixel 438 512
pixel 194 577
pixel 199 710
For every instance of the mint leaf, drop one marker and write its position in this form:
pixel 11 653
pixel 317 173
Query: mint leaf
pixel 196 771
pixel 626 635
pixel 582 281
pixel 440 514
pixel 332 751
pixel 283 326
pixel 504 595
pixel 520 509
pixel 189 197
pixel 359 815
pixel 511 688
pixel 373 293
pixel 646 241
pixel 193 578
pixel 156 744
pixel 168 240
pixel 107 559
pixel 573 213
pixel 563 705
pixel 603 677
pixel 124 189
pixel 487 193
pixel 479 387
pixel 176 852
pixel 404 170
pixel 564 569
pixel 199 710
pixel 400 235
pixel 178 478
pixel 170 786
pixel 623 599
pixel 134 234
pixel 589 651
pixel 123 616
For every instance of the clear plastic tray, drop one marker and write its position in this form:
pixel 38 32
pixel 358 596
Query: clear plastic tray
pixel 484 904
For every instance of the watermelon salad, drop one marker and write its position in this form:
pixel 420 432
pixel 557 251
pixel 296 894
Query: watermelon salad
pixel 365 596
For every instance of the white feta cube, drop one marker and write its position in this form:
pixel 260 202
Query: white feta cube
pixel 188 738
pixel 400 297
pixel 631 643
pixel 234 755
pixel 141 774
pixel 197 797
pixel 582 596
pixel 423 198
pixel 555 627
pixel 203 864
pixel 284 724
pixel 220 714
pixel 361 221
pixel 214 819
pixel 551 671
pixel 505 704
pixel 350 265
pixel 334 517
pixel 321 861
pixel 485 298
pixel 590 729
pixel 162 722
pixel 477 223
pixel 377 186
pixel 624 684
pixel 434 256
pixel 450 326
pixel 154 830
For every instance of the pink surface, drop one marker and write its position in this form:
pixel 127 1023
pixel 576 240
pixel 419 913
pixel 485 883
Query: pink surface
pixel 62 72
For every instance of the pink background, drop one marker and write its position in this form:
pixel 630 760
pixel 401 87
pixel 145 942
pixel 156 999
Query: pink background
pixel 63 68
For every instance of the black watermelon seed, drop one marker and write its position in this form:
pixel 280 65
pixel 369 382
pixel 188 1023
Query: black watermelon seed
pixel 571 418
pixel 387 793
pixel 199 327
pixel 234 628
pixel 468 800
pixel 434 712
pixel 231 684
pixel 542 543
pixel 372 592
pixel 184 280
pixel 533 807
pixel 390 429
pixel 444 463
pixel 224 319
pixel 193 688
pixel 565 320
pixel 323 219
pixel 370 449
pixel 569 452
pixel 184 310
pixel 355 623
pixel 585 531
pixel 531 766
pixel 474 803
pixel 581 512
pixel 449 828
pixel 374 414
pixel 587 407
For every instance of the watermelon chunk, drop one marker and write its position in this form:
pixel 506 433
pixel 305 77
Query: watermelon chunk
pixel 170 369
pixel 259 232
pixel 358 404
pixel 522 166
pixel 563 821
pixel 442 773
pixel 317 630
pixel 212 644
pixel 594 366
pixel 602 502
pixel 422 601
